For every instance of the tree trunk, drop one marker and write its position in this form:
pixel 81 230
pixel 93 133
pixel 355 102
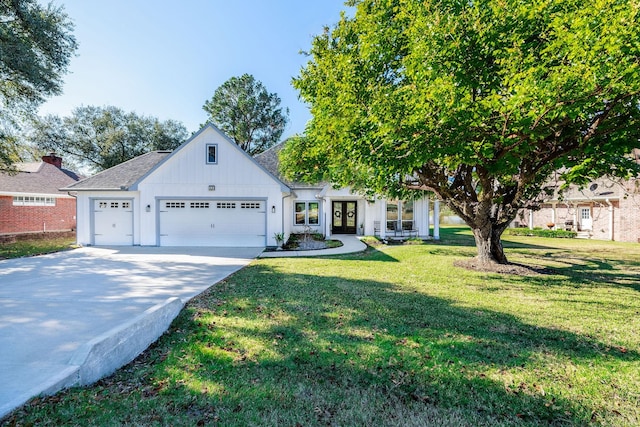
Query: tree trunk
pixel 489 244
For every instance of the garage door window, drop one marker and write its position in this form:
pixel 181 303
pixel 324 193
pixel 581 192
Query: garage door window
pixel 225 205
pixel 174 205
pixel 199 205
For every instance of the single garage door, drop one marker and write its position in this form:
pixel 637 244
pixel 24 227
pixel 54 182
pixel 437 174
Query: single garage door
pixel 113 222
pixel 212 223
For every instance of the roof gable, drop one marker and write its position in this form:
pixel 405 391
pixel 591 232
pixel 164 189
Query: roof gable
pixel 179 166
pixel 188 163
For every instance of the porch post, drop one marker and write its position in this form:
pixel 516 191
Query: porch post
pixel 428 220
pixel 383 218
pixel 436 219
pixel 329 217
pixel 530 219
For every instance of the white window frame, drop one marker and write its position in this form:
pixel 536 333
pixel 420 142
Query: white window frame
pixel 215 154
pixel 306 212
pixel 34 201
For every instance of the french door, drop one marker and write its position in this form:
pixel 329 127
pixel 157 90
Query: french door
pixel 345 217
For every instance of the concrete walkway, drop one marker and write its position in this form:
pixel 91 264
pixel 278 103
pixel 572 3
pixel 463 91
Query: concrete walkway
pixel 70 318
pixel 350 244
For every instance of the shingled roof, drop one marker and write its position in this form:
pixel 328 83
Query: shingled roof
pixel 270 160
pixel 36 178
pixel 122 176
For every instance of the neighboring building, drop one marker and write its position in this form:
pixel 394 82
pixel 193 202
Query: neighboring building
pixel 606 209
pixel 30 200
pixel 209 192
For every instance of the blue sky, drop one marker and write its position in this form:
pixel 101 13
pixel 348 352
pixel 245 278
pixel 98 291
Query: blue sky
pixel 166 58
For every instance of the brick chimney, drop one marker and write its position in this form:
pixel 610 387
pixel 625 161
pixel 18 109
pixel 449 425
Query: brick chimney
pixel 54 160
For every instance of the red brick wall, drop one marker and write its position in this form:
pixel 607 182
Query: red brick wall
pixel 22 219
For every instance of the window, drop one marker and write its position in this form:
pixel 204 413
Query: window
pixel 225 205
pixel 307 213
pixel 212 154
pixel 126 205
pixel 174 205
pixel 400 215
pixel 33 201
pixel 199 205
pixel 250 205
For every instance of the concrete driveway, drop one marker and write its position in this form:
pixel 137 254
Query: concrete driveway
pixel 70 317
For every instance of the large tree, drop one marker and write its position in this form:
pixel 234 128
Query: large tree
pixel 250 115
pixel 36 45
pixel 101 137
pixel 480 101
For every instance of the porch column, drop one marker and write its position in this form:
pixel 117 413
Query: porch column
pixel 427 200
pixel 436 219
pixel 383 218
pixel 329 216
pixel 553 216
pixel 530 219
pixel 610 209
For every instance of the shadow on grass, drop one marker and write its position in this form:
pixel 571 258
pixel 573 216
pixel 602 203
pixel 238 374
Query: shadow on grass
pixel 357 342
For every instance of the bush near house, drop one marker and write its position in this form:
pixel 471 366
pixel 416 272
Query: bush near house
pixel 539 232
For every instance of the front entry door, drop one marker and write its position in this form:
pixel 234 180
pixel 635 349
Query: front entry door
pixel 345 218
pixel 586 223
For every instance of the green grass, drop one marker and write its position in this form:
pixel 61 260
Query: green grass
pixel 396 336
pixel 34 247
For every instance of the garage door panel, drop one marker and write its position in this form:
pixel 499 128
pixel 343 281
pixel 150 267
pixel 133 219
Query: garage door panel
pixel 212 223
pixel 113 222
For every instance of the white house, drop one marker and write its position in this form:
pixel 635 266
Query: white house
pixel 209 192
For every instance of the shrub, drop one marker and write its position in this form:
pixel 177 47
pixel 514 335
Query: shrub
pixel 539 232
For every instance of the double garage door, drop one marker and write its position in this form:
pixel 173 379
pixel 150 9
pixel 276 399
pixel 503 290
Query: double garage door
pixel 229 223
pixel 239 223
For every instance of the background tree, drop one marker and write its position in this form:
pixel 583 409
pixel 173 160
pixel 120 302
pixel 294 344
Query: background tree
pixel 36 45
pixel 480 101
pixel 244 110
pixel 101 137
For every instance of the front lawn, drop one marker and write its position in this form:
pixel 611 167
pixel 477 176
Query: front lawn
pixel 31 247
pixel 396 336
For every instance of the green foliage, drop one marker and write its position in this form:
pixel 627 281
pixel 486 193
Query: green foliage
pixel 244 110
pixel 36 45
pixel 480 101
pixel 102 137
pixel 539 232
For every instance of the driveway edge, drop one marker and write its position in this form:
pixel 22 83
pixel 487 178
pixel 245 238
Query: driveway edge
pixel 108 352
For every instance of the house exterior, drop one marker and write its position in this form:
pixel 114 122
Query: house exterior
pixel 607 209
pixel 30 200
pixel 209 192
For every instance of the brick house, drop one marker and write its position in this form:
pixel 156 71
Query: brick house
pixel 30 200
pixel 607 209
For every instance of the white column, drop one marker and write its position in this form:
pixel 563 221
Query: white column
pixel 610 209
pixel 530 219
pixel 436 219
pixel 427 232
pixel 553 216
pixel 383 218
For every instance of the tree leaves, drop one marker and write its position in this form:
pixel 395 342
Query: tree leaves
pixel 101 137
pixel 244 110
pixel 480 101
pixel 36 45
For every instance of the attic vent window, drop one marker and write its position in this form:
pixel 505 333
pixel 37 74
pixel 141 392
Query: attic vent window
pixel 212 154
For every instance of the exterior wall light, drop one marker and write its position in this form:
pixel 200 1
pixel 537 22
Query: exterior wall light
pixel 273 209
pixel 148 208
